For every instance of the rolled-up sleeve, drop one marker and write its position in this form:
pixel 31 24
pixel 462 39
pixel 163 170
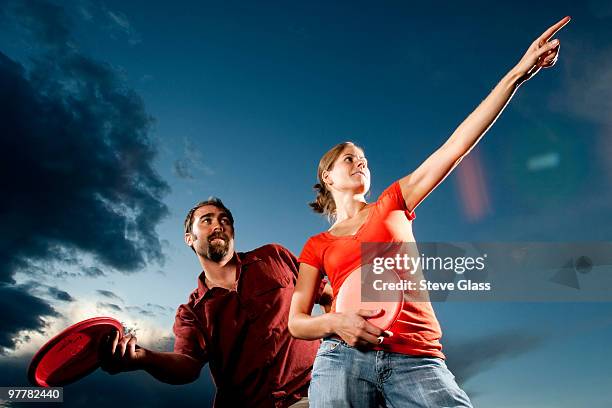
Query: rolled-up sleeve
pixel 188 335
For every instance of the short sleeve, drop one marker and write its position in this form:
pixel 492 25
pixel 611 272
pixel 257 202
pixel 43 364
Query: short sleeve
pixel 188 336
pixel 310 255
pixel 394 198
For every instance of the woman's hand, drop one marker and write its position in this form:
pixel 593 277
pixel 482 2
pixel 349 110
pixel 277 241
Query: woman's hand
pixel 543 53
pixel 356 331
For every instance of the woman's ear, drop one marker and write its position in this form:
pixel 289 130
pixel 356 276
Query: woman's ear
pixel 326 178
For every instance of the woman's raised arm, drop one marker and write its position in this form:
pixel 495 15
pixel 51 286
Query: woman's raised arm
pixel 542 53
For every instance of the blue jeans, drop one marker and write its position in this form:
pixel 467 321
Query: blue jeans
pixel 343 376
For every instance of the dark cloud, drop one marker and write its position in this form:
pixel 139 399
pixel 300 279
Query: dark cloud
pixel 150 310
pixel 20 311
pixel 47 23
pixel 159 308
pixel 182 169
pixel 113 23
pixel 93 272
pixel 466 359
pixel 191 165
pixel 60 294
pixel 76 166
pixel 141 311
pixel 107 305
pixel 109 294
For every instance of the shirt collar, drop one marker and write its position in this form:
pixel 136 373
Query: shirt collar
pixel 241 259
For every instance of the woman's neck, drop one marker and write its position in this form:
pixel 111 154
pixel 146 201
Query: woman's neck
pixel 348 206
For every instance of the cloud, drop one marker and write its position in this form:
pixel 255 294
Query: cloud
pixel 47 23
pixel 60 294
pixel 585 92
pixel 114 23
pixel 191 165
pixel 109 294
pixel 119 23
pixel 160 308
pixel 109 306
pixel 14 300
pixel 93 272
pixel 76 166
pixel 151 310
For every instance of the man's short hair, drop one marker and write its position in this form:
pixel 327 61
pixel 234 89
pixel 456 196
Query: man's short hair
pixel 211 201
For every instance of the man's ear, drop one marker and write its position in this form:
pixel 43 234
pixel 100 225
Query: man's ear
pixel 189 238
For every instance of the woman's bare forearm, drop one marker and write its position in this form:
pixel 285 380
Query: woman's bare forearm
pixel 471 130
pixel 307 327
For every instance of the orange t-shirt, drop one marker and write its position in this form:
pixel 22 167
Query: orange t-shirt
pixel 416 330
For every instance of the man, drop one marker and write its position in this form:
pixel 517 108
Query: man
pixel 236 320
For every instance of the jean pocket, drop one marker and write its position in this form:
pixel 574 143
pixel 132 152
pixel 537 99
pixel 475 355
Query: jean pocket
pixel 328 346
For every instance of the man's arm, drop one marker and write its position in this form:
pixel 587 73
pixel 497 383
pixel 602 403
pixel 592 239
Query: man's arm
pixel 122 354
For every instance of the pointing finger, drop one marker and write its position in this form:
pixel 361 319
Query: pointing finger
pixel 548 34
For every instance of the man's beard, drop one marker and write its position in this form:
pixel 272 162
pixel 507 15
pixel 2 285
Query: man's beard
pixel 217 251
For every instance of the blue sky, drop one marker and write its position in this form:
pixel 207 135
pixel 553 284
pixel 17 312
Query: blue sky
pixel 245 97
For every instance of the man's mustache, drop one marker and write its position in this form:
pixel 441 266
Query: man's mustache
pixel 218 235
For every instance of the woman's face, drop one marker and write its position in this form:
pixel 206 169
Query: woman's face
pixel 349 173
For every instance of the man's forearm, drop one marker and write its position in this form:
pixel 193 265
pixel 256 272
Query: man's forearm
pixel 171 368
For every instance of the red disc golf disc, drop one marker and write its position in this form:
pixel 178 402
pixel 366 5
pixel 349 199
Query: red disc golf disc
pixel 351 298
pixel 72 354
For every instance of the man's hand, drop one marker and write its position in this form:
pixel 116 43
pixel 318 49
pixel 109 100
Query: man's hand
pixel 121 354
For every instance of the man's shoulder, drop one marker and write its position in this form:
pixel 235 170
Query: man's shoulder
pixel 269 251
pixel 194 297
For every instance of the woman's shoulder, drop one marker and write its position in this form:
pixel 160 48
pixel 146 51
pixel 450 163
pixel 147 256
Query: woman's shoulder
pixel 321 236
pixel 393 189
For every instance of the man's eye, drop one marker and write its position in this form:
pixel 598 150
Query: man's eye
pixel 206 220
pixel 225 221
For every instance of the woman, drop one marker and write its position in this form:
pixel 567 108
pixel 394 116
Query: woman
pixel 358 364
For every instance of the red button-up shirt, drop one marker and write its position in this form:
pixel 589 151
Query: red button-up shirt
pixel 243 334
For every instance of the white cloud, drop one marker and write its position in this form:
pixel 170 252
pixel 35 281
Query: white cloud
pixel 150 334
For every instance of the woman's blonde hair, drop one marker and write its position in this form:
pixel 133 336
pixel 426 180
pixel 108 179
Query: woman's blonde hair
pixel 324 202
